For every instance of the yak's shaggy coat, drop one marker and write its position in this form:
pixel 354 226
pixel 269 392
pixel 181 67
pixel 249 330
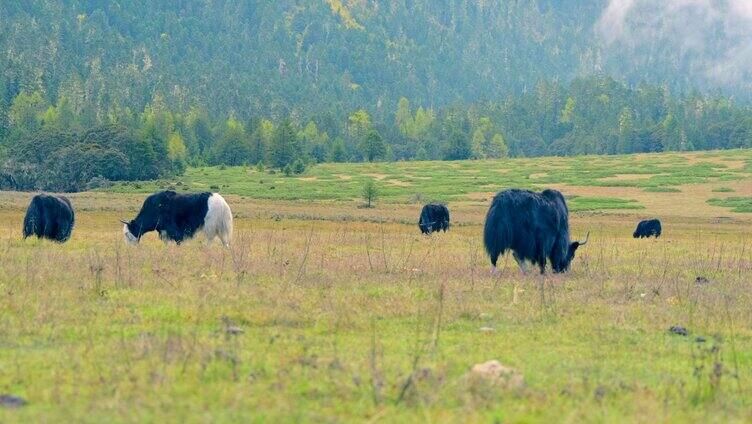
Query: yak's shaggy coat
pixel 433 217
pixel 648 228
pixel 534 226
pixel 178 217
pixel 49 217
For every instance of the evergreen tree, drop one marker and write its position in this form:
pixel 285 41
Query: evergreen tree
pixel 233 146
pixel 26 113
pixel 199 135
pixel 338 151
pixel 403 117
pixel 315 144
pixel 373 147
pixel 284 148
pixel 261 141
pixel 670 134
pixel 176 152
pixel 498 147
pixel 458 146
pixel 370 193
pixel 626 132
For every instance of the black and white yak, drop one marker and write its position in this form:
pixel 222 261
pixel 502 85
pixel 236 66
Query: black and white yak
pixel 648 228
pixel 177 217
pixel 49 217
pixel 433 217
pixel 534 226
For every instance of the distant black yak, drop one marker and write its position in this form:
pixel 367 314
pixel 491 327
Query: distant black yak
pixel 648 228
pixel 177 217
pixel 534 226
pixel 433 217
pixel 49 217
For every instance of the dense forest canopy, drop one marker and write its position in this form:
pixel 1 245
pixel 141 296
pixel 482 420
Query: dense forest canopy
pixel 287 83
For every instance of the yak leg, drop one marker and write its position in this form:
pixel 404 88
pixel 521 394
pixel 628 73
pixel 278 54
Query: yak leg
pixel 521 263
pixel 225 239
pixel 209 236
pixel 542 264
pixel 494 259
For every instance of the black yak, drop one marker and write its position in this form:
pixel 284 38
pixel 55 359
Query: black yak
pixel 177 217
pixel 534 226
pixel 49 217
pixel 648 228
pixel 433 217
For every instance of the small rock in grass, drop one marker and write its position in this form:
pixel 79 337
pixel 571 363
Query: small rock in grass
pixel 497 374
pixel 233 330
pixel 678 330
pixel 700 339
pixel 700 280
pixel 10 401
pixel 487 329
pixel 600 393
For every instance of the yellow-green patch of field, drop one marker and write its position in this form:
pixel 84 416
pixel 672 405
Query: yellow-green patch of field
pixel 655 184
pixel 324 311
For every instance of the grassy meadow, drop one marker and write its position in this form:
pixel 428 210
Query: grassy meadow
pixel 324 311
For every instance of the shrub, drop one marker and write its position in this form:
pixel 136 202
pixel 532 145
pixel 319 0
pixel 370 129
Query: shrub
pixel 98 182
pixel 298 166
pixel 370 193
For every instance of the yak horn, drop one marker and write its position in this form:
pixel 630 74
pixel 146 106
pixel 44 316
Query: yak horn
pixel 587 237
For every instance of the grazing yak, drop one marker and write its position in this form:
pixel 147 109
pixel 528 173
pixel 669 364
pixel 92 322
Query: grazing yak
pixel 534 226
pixel 433 217
pixel 648 228
pixel 177 217
pixel 49 217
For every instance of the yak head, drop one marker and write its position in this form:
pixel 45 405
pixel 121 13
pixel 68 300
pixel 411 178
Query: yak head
pixel 130 229
pixel 148 219
pixel 561 263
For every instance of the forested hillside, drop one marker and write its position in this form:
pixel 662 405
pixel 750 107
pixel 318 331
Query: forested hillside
pixel 287 83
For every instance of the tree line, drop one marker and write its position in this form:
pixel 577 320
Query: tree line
pixel 46 144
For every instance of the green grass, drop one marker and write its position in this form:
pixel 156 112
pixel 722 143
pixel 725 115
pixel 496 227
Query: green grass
pixel 661 190
pixel 456 181
pixel 736 204
pixel 580 204
pixel 723 190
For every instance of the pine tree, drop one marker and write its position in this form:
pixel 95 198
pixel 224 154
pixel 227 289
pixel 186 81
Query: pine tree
pixel 233 146
pixel 338 151
pixel 199 136
pixel 458 146
pixel 370 193
pixel 373 146
pixel 626 132
pixel 498 148
pixel 284 149
pixel 403 118
pixel 176 152
pixel 26 113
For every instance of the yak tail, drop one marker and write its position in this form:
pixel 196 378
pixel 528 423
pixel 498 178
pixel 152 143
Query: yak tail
pixel 65 232
pixel 31 220
pixel 219 220
pixel 496 235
